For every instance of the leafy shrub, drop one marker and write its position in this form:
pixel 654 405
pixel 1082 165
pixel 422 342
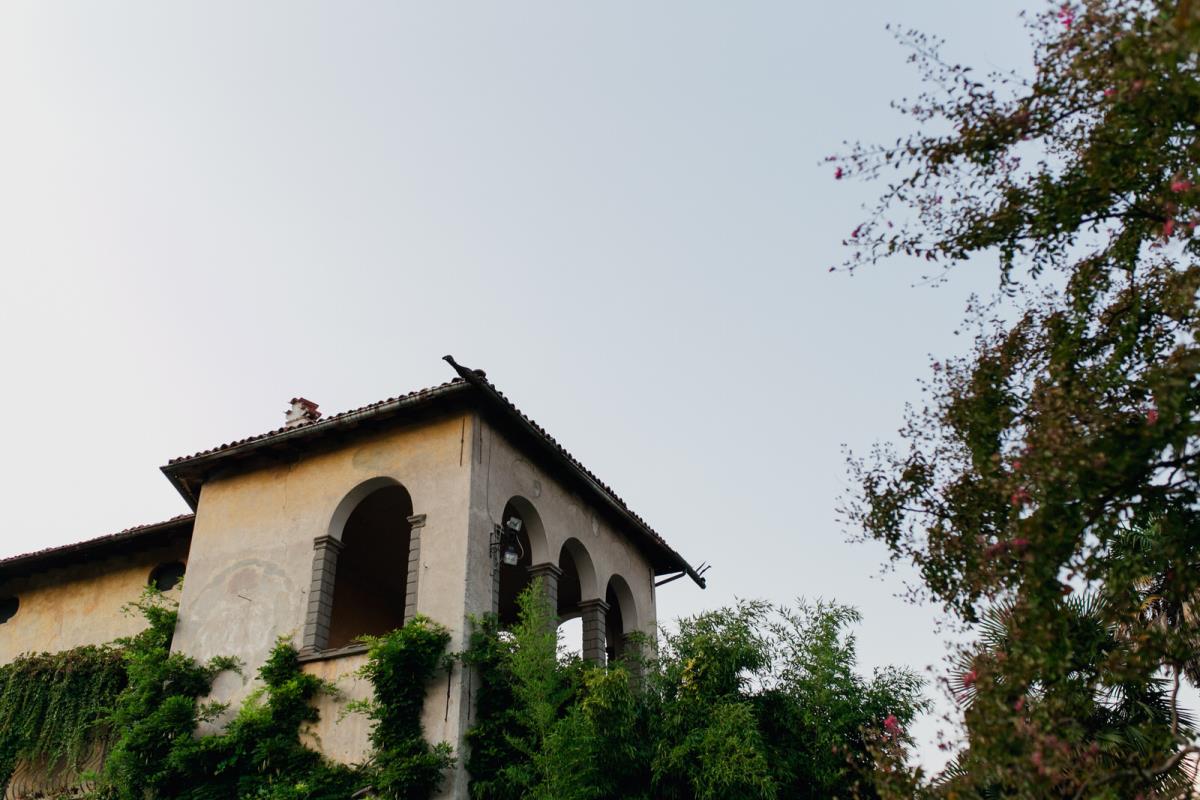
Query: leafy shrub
pixel 747 702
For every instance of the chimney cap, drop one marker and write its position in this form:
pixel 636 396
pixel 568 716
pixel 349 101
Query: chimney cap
pixel 302 411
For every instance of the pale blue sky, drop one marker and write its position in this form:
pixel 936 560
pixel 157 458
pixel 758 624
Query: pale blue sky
pixel 618 209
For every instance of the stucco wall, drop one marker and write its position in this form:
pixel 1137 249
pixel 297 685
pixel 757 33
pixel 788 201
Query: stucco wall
pixel 80 605
pixel 343 737
pixel 252 557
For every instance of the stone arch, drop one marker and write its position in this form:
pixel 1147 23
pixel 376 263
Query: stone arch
pixel 532 546
pixel 577 580
pixel 576 584
pixel 337 523
pixel 621 618
pixel 532 526
pixel 364 578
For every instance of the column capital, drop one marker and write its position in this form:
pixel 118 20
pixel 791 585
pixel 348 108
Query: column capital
pixel 546 570
pixel 328 543
pixel 594 605
pixel 417 520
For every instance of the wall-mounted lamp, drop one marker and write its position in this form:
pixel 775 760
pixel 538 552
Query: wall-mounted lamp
pixel 507 542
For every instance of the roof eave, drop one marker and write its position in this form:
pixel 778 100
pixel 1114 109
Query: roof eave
pixel 499 402
pixel 178 470
pixel 183 472
pixel 53 557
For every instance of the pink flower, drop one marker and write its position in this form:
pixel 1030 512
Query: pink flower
pixel 1020 544
pixel 1168 227
pixel 1180 185
pixel 1066 16
pixel 1017 465
pixel 892 725
pixel 1020 497
pixel 970 678
pixel 1109 92
pixel 854 234
pixel 838 173
pixel 1017 706
pixel 1152 416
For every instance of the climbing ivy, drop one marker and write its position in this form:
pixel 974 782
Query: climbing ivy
pixel 399 667
pixel 146 704
pixel 54 706
pixel 258 754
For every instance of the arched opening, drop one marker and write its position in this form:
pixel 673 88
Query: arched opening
pixel 621 619
pixel 166 577
pixel 569 590
pixel 570 637
pixel 513 578
pixel 8 608
pixel 371 574
pixel 570 620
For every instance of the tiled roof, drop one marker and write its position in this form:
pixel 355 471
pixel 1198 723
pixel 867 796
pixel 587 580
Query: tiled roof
pixel 52 556
pixel 467 380
pixel 324 422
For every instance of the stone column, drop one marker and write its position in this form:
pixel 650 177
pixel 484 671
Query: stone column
pixel 320 593
pixel 416 528
pixel 594 615
pixel 549 573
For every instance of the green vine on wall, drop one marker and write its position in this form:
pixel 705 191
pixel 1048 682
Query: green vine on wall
pixel 54 706
pixel 145 704
pixel 399 666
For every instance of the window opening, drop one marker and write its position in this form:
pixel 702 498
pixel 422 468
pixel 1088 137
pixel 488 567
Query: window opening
pixel 371 576
pixel 166 577
pixel 8 608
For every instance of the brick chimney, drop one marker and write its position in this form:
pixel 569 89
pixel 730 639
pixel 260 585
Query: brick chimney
pixel 302 412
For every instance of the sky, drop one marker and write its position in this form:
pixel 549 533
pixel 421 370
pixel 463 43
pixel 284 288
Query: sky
pixel 620 210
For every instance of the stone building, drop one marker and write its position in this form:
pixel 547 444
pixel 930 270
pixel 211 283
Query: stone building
pixel 445 501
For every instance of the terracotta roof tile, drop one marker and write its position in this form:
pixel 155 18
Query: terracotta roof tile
pixel 323 422
pixel 57 552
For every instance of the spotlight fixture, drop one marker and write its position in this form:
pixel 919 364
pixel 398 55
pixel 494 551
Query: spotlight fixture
pixel 506 542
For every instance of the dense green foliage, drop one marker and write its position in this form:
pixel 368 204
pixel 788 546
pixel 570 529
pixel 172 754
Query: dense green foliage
pixel 157 752
pixel 744 702
pixel 399 667
pixel 145 703
pixel 1062 455
pixel 54 706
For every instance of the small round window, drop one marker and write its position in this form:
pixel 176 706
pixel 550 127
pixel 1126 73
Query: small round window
pixel 8 608
pixel 166 577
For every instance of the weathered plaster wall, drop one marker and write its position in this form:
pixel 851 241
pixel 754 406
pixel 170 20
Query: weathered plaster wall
pixel 252 557
pixel 344 738
pixel 79 605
